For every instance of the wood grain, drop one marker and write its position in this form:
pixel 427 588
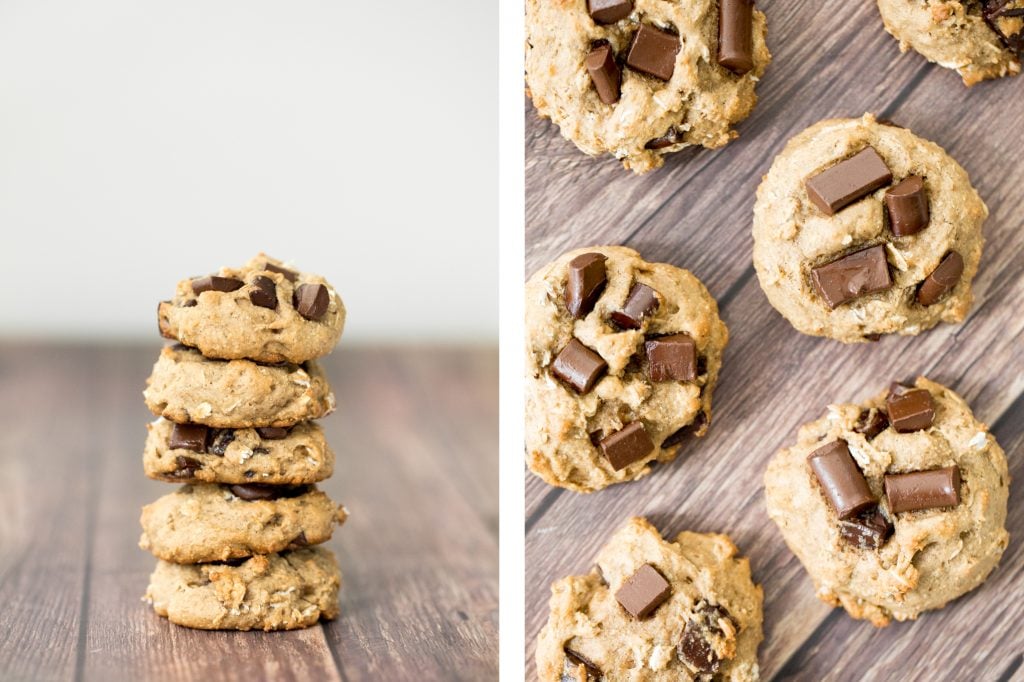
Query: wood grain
pixel 696 213
pixel 416 437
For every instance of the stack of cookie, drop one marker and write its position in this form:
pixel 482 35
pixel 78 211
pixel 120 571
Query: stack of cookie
pixel 236 398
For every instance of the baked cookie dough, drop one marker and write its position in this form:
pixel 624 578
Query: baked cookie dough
pixel 622 357
pixel 895 506
pixel 261 311
pixel 980 39
pixel 185 453
pixel 862 228
pixel 654 610
pixel 186 387
pixel 207 522
pixel 645 78
pixel 273 592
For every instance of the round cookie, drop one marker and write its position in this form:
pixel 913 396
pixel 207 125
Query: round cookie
pixel 186 453
pixel 852 219
pixel 273 592
pixel 653 610
pixel 186 387
pixel 598 410
pixel 979 39
pixel 641 103
pixel 261 311
pixel 904 544
pixel 207 522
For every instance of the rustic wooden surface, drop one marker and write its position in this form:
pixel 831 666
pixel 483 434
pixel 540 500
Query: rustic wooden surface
pixel 696 213
pixel 416 438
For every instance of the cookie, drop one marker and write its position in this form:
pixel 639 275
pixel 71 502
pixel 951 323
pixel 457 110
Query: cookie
pixel 207 522
pixel 979 39
pixel 186 453
pixel 622 357
pixel 655 610
pixel 862 228
pixel 261 311
pixel 895 506
pixel 641 79
pixel 273 592
pixel 186 387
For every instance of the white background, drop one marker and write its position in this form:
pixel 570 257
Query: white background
pixel 144 142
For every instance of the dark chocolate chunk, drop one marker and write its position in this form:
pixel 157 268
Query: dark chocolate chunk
pixel 214 283
pixel 854 275
pixel 311 300
pixel 289 275
pixel 643 592
pixel 907 204
pixel 910 409
pixel 579 366
pixel 577 659
pixel 1006 18
pixel 272 432
pixel 189 437
pixel 673 137
pixel 923 489
pixel 587 277
pixel 672 358
pixel 679 435
pixel 653 52
pixel 627 445
pixel 263 293
pixel 609 11
pixel 943 279
pixel 187 466
pixel 847 181
pixel 868 530
pixel 871 423
pixel 841 479
pixel 605 73
pixel 736 35
pixel 299 541
pixel 222 438
pixel 261 491
pixel 642 301
pixel 694 647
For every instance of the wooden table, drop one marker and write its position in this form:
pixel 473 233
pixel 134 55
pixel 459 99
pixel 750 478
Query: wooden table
pixel 416 438
pixel 830 59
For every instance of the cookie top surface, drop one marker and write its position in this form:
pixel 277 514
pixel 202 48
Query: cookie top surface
pixel 598 410
pixel 703 612
pixel 826 245
pixel 263 311
pixel 693 101
pixel 929 546
pixel 980 39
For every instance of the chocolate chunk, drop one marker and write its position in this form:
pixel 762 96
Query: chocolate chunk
pixel 943 279
pixel 907 204
pixel 263 293
pixel 871 423
pixel 679 435
pixel 848 181
pixel 299 541
pixel 643 592
pixel 841 479
pixel 627 445
pixel 214 283
pixel 579 366
pixel 923 489
pixel 609 11
pixel 577 659
pixel 587 277
pixel 673 137
pixel 1006 18
pixel 222 438
pixel 311 300
pixel 672 358
pixel 694 647
pixel 189 437
pixel 859 273
pixel 736 35
pixel 272 432
pixel 910 409
pixel 642 301
pixel 868 530
pixel 605 73
pixel 289 275
pixel 653 52
pixel 187 466
pixel 261 491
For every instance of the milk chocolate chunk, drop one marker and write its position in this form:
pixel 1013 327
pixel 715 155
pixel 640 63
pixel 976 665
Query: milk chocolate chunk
pixel 907 204
pixel 289 275
pixel 311 301
pixel 263 293
pixel 609 11
pixel 672 358
pixel 943 279
pixel 189 437
pixel 653 52
pixel 579 366
pixel 214 283
pixel 643 592
pixel 910 409
pixel 868 530
pixel 587 277
pixel 604 72
pixel 857 274
pixel 272 432
pixel 642 301
pixel 844 183
pixel 736 35
pixel 577 659
pixel 923 489
pixel 871 423
pixel 841 479
pixel 627 445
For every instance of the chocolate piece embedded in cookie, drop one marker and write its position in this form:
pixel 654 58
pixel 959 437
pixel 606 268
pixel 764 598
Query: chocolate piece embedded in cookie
pixel 857 274
pixel 263 293
pixel 586 280
pixel 942 279
pixel 907 204
pixel 643 592
pixel 923 489
pixel 871 423
pixel 653 51
pixel 671 358
pixel 626 446
pixel 214 283
pixel 609 11
pixel 578 366
pixel 867 530
pixel 854 178
pixel 694 649
pixel 189 437
pixel 311 301
pixel 604 72
pixel 841 479
pixel 641 303
pixel 735 35
pixel 910 409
